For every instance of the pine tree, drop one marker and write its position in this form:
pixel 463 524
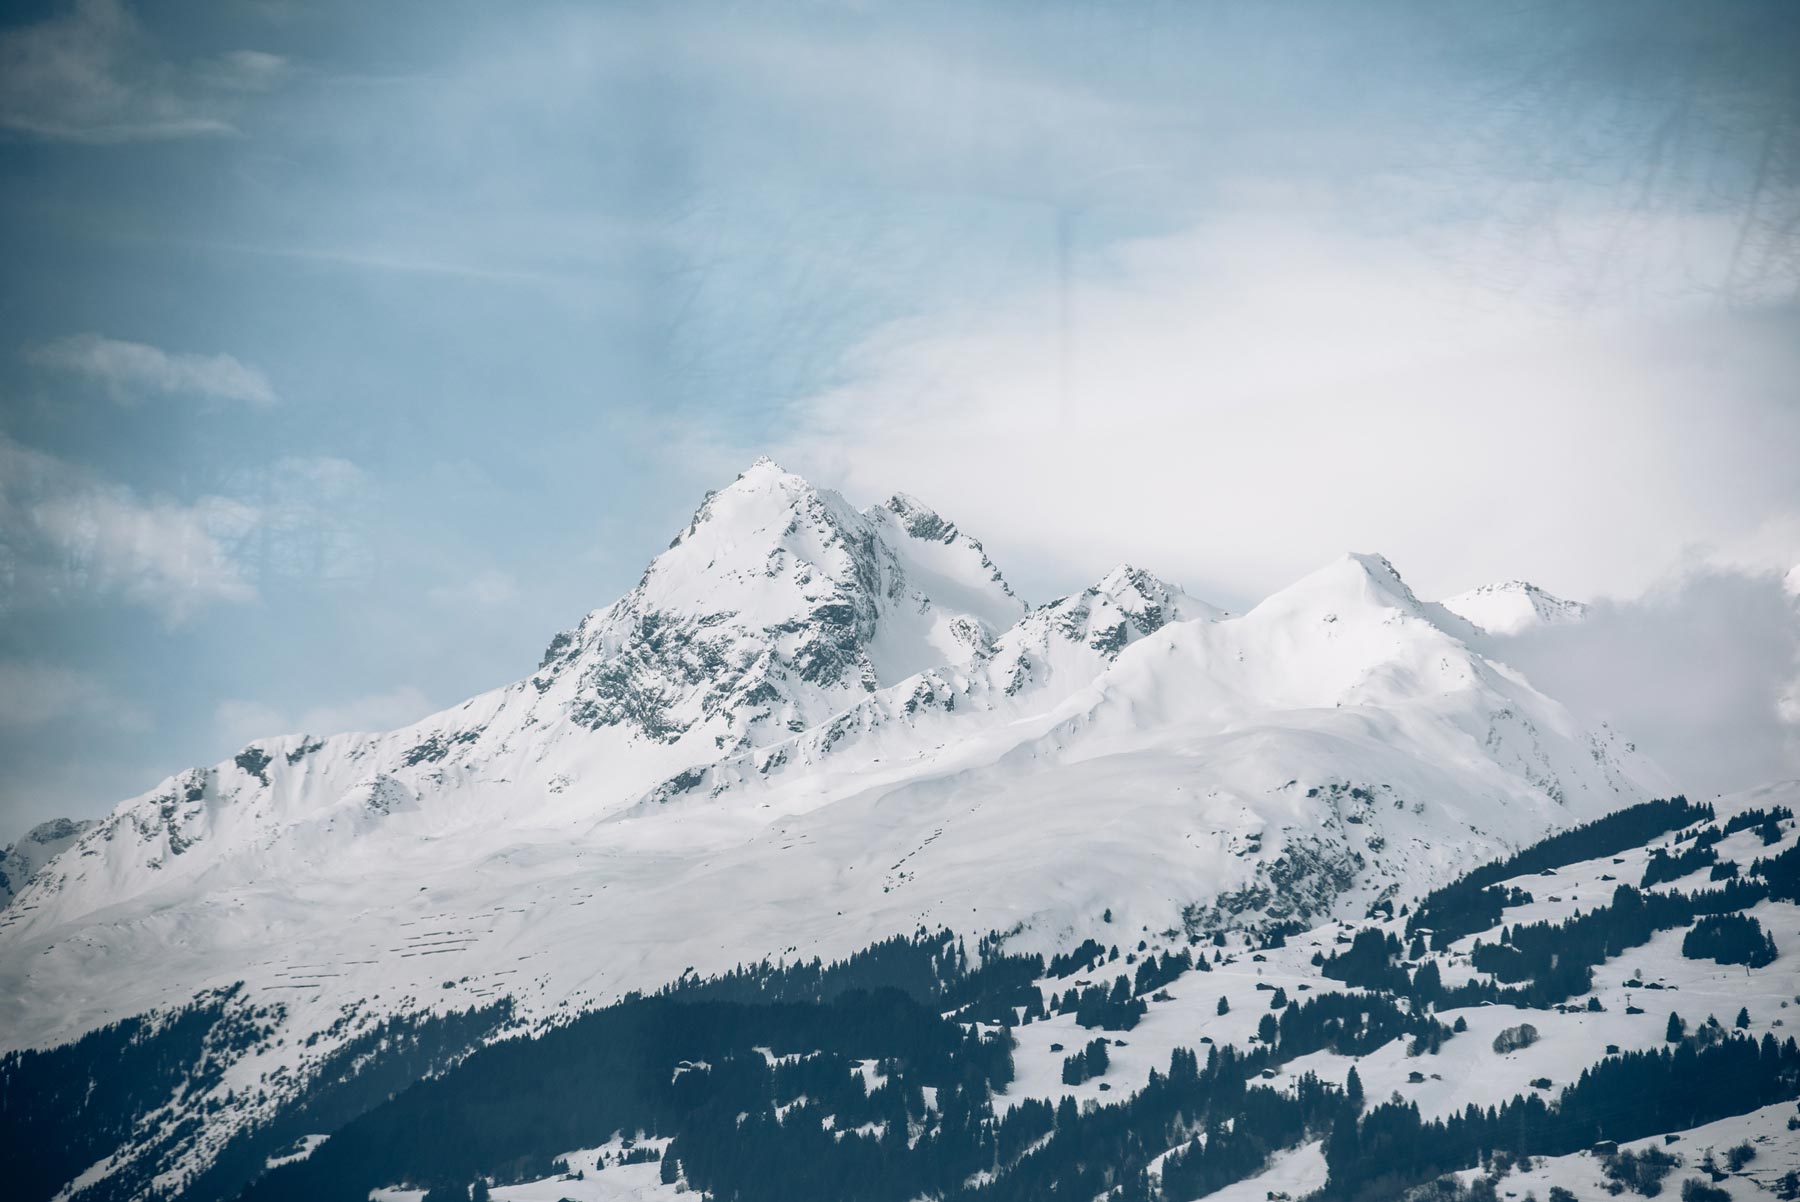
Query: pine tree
pixel 1224 1006
pixel 1677 1028
pixel 1353 1089
pixel 1743 1018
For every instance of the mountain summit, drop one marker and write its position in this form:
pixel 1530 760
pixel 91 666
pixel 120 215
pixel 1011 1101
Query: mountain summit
pixel 777 606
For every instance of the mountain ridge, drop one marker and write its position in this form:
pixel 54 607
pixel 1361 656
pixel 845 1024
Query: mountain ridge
pixel 782 673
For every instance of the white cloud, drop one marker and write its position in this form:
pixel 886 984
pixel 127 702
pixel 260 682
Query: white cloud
pixel 1243 401
pixel 488 589
pixel 32 694
pixel 243 721
pixel 1702 671
pixel 131 369
pixel 63 530
pixel 92 74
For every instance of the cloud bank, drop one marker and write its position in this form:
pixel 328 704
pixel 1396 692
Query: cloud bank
pixel 1238 403
pixel 1703 672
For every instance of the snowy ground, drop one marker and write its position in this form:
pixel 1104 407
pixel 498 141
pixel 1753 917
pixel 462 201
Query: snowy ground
pixel 1765 1130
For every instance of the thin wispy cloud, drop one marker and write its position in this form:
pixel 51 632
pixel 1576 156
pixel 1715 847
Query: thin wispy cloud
pixel 66 534
pixel 91 73
pixel 132 370
pixel 400 260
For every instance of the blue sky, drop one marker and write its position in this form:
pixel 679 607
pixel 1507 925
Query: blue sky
pixel 347 352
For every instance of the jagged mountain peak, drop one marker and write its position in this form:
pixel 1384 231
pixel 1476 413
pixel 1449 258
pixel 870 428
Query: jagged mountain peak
pixel 765 498
pixel 1125 603
pixel 778 605
pixel 919 519
pixel 1512 606
pixel 1137 590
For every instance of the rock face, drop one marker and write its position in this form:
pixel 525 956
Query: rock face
pixel 807 727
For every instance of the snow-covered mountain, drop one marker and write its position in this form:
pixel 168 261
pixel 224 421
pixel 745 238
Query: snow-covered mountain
pixel 794 675
pixel 809 727
pixel 1513 606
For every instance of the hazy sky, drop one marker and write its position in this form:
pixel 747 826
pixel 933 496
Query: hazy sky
pixel 347 352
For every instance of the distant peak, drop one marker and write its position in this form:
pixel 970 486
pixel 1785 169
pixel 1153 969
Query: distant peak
pixel 1122 605
pixel 57 829
pixel 1511 606
pixel 1507 586
pixel 1126 579
pixel 919 519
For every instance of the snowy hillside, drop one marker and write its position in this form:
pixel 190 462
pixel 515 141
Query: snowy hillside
pixel 1603 1013
pixel 808 728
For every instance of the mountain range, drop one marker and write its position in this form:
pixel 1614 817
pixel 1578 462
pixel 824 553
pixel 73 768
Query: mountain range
pixel 807 729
